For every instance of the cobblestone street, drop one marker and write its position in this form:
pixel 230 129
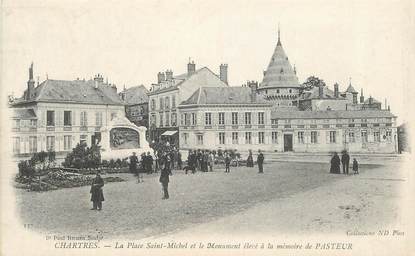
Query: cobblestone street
pixel 239 201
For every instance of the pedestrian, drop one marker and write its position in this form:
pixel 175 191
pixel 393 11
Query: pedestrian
pixel 211 161
pixel 164 176
pixel 149 163
pixel 260 161
pixel 97 196
pixel 142 168
pixel 355 166
pixel 199 160
pixel 133 163
pixel 179 160
pixel 345 162
pixel 335 164
pixel 250 160
pixel 205 161
pixel 227 163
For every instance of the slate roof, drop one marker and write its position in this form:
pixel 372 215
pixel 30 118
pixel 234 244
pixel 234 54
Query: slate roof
pixel 23 113
pixel 77 91
pixel 373 100
pixel 314 94
pixel 351 89
pixel 330 114
pixel 223 95
pixel 136 95
pixel 279 72
pixel 182 78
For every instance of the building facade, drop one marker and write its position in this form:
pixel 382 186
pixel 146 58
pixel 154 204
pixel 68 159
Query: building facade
pixel 166 95
pixel 58 114
pixel 136 104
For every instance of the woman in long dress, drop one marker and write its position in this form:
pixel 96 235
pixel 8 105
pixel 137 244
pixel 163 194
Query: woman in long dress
pixel 335 164
pixel 97 196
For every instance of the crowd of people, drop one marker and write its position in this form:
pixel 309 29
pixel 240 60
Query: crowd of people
pixel 167 159
pixel 344 161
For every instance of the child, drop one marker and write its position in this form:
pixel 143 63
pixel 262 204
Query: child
pixel 355 166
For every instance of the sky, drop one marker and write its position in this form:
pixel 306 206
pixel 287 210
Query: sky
pixel 131 41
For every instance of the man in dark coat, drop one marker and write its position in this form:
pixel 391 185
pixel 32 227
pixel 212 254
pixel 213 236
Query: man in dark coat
pixel 335 164
pixel 345 162
pixel 227 163
pixel 133 163
pixel 97 196
pixel 164 176
pixel 260 161
pixel 179 160
pixel 149 163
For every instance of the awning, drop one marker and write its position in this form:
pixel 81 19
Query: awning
pixel 168 133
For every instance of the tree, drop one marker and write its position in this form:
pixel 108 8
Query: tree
pixel 83 157
pixel 313 81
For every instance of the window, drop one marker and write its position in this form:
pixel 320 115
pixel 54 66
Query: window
pixel 261 118
pixel 33 123
pixel 290 91
pixel 221 138
pixel 173 101
pixel 185 138
pixel 67 142
pixel 16 145
pixel 113 115
pixel 32 144
pixel 301 137
pixel 199 139
pixel 314 137
pixel 364 136
pixel 351 137
pixel 173 119
pixel 221 118
pixel 235 139
pixel 247 118
pixel 50 118
pixel 234 118
pixel 84 118
pixel 274 136
pixel 167 119
pixel 332 136
pixel 167 102
pixel 208 118
pixel 83 139
pixel 278 90
pixel 248 139
pixel 50 143
pixel 16 124
pixel 389 135
pixel 161 120
pixel 67 118
pixel 98 119
pixel 376 136
pixel 153 104
pixel 261 138
pixel 153 120
pixel 194 119
pixel 161 103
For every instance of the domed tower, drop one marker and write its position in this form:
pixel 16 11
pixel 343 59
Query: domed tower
pixel 280 83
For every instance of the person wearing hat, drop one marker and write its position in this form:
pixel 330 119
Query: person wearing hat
pixel 97 196
pixel 164 176
pixel 260 162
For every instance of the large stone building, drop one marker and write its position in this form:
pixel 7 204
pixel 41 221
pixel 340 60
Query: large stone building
pixel 56 115
pixel 170 90
pixel 296 118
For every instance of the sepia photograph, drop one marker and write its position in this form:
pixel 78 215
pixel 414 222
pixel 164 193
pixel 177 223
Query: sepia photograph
pixel 192 127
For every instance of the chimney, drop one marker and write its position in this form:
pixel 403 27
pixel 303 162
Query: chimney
pixel 161 77
pixel 99 78
pixel 320 91
pixel 30 84
pixel 169 75
pixel 223 73
pixel 362 98
pixel 191 68
pixel 253 85
pixel 370 100
pixel 336 90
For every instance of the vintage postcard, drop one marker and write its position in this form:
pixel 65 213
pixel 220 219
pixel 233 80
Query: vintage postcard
pixel 192 127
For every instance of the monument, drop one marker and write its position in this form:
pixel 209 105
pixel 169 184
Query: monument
pixel 121 138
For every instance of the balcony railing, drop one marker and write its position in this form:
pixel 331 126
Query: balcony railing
pixel 83 128
pixel 67 128
pixel 50 128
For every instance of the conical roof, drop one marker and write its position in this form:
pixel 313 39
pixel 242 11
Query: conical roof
pixel 279 73
pixel 351 89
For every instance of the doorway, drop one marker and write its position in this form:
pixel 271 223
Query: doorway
pixel 288 142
